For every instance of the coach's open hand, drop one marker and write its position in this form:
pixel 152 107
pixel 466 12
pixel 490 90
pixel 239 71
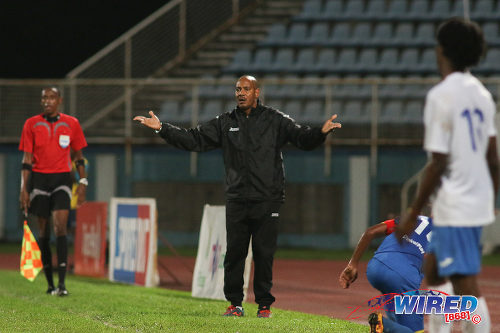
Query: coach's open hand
pixel 329 125
pixel 152 122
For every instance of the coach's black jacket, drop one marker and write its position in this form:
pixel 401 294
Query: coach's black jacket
pixel 251 146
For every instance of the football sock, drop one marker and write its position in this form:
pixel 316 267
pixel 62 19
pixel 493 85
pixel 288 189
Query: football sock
pixel 46 259
pixel 62 257
pixel 436 322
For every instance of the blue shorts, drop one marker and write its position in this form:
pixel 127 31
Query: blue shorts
pixel 388 281
pixel 457 250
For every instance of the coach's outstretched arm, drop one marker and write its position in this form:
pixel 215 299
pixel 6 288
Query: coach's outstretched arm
pixel 204 137
pixel 350 273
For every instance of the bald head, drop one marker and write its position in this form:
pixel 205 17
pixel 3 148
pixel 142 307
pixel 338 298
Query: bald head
pixel 251 79
pixel 247 93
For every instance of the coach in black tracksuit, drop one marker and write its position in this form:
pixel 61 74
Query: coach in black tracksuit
pixel 251 137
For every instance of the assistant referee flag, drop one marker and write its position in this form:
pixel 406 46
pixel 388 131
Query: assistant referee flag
pixel 31 262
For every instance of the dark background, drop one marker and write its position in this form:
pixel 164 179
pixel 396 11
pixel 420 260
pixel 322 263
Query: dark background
pixel 47 39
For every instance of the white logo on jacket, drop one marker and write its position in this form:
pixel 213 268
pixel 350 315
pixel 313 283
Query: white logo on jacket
pixel 234 129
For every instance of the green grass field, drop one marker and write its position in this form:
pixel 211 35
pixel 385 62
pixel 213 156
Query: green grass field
pixel 97 305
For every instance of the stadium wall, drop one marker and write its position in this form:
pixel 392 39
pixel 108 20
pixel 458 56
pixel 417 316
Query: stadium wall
pixel 320 210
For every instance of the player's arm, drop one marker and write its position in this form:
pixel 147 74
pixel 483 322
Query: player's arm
pixel 83 182
pixel 204 137
pixel 431 179
pixel 24 197
pixel 350 273
pixel 493 163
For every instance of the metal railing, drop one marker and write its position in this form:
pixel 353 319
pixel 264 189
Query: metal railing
pixel 352 99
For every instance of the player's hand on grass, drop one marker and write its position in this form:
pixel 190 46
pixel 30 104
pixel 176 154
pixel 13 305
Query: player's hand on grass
pixel 329 125
pixel 152 122
pixel 348 276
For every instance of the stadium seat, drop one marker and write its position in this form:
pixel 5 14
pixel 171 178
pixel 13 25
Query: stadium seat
pixel 311 10
pixel 305 60
pixel 397 10
pixel 293 109
pixel 326 61
pixel 361 34
pixel 440 9
pixel 283 60
pixel 491 33
pixel 353 10
pixel 424 35
pixel 457 9
pixel 340 35
pixel 367 61
pixel 408 60
pixel 413 113
pixel 319 34
pixel 382 34
pixel 376 10
pixel 356 112
pixel 427 63
pixel 297 34
pixel 185 114
pixel 262 61
pixel 483 9
pixel 491 63
pixel 169 111
pixel 346 61
pixel 388 61
pixel 333 10
pixel 418 10
pixel 403 34
pixel 275 36
pixel 389 91
pixel 306 91
pixel 210 110
pixel 241 61
pixel 313 113
pixel 391 112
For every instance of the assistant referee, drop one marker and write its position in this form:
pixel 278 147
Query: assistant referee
pixel 47 140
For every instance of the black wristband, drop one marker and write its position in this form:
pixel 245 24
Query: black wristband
pixel 80 162
pixel 26 166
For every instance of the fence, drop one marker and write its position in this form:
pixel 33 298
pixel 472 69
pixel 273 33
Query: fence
pixel 373 111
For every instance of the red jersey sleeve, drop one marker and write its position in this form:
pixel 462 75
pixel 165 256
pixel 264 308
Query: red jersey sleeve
pixel 391 225
pixel 78 140
pixel 26 143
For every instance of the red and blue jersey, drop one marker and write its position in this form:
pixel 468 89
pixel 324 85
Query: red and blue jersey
pixel 413 247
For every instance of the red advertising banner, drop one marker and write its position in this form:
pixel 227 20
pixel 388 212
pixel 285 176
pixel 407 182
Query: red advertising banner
pixel 90 239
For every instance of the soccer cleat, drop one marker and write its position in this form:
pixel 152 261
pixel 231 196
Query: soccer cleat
pixel 51 290
pixel 264 312
pixel 61 291
pixel 234 311
pixel 375 321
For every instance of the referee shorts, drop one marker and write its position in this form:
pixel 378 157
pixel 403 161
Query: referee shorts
pixel 48 192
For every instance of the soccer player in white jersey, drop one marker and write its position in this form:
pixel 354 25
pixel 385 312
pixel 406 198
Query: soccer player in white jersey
pixel 460 137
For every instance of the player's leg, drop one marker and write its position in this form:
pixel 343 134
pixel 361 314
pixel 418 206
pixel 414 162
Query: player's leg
pixel 467 285
pixel 389 281
pixel 60 201
pixel 458 256
pixel 436 322
pixel 264 227
pixel 40 207
pixel 238 239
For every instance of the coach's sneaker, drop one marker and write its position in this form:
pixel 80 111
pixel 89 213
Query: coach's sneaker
pixel 234 311
pixel 264 312
pixel 61 291
pixel 375 321
pixel 51 290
